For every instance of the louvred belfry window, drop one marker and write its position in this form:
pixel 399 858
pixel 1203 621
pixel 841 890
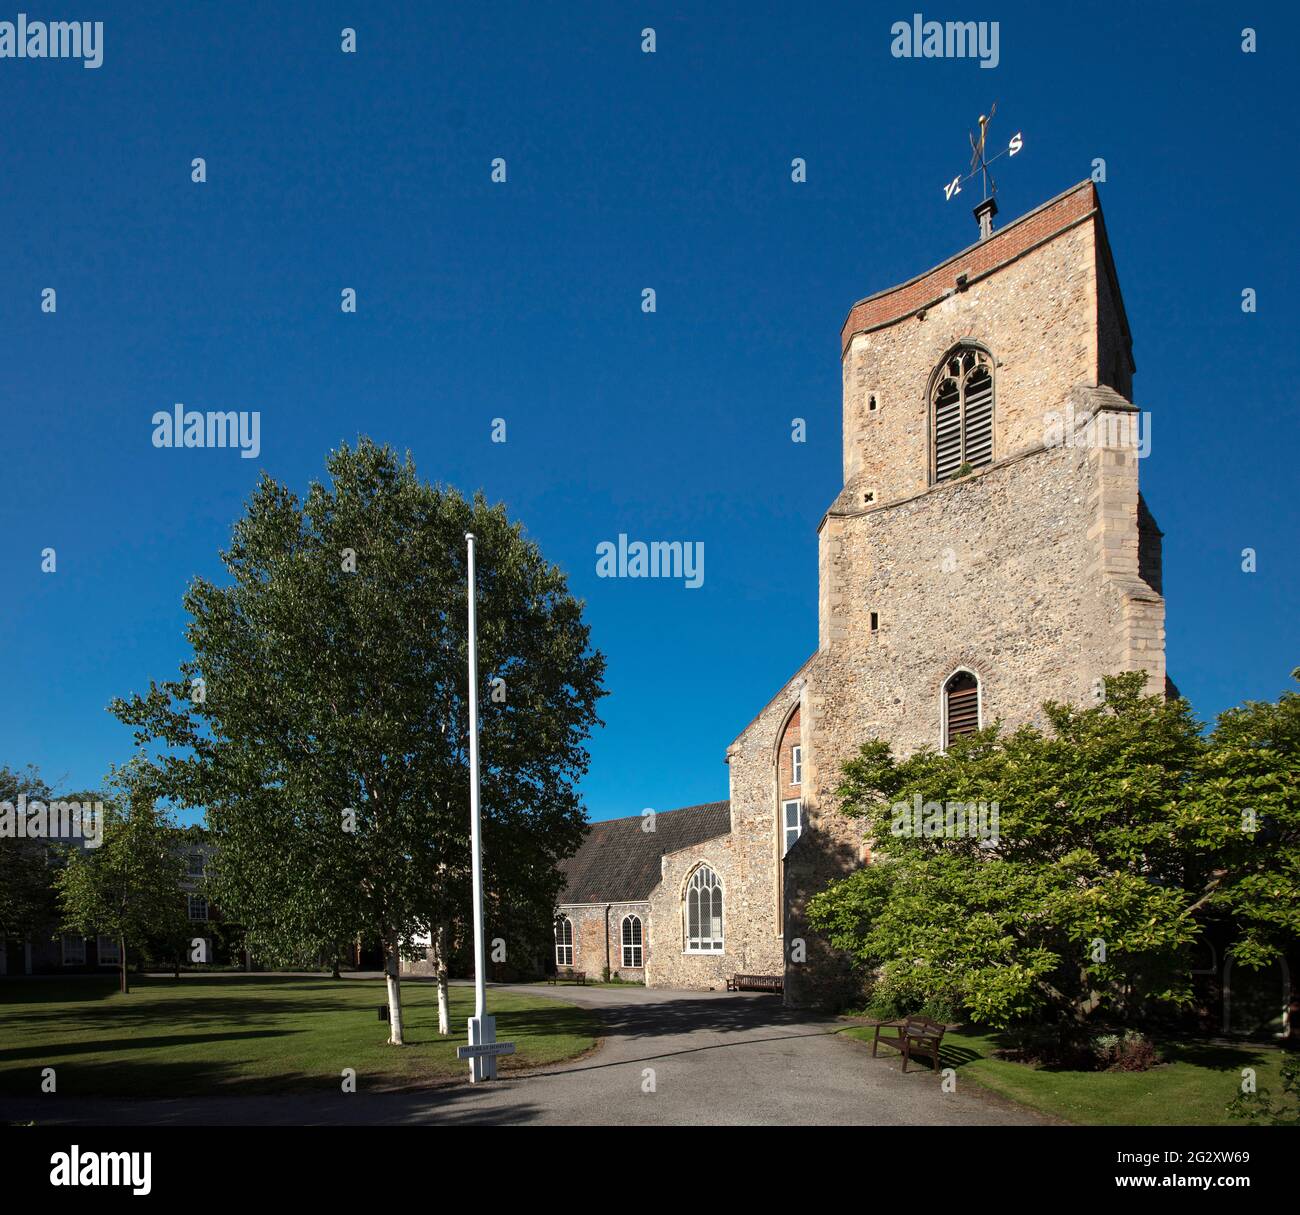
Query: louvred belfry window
pixel 963 412
pixel 961 706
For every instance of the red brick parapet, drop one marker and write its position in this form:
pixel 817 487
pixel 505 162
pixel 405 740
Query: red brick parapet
pixel 980 259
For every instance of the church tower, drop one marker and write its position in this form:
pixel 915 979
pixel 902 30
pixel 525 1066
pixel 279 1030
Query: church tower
pixel 989 551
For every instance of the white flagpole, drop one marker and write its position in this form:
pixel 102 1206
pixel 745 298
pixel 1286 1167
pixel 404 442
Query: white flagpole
pixel 482 1028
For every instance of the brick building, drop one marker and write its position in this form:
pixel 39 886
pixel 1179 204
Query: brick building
pixel 989 550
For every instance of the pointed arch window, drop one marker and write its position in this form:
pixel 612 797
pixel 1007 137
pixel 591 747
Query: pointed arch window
pixel 632 950
pixel 961 706
pixel 563 941
pixel 962 411
pixel 702 912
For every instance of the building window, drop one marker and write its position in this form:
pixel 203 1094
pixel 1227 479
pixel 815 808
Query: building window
pixel 962 411
pixel 961 706
pixel 875 622
pixel 796 765
pixel 107 950
pixel 194 864
pixel 632 955
pixel 792 822
pixel 703 912
pixel 563 941
pixel 872 403
pixel 198 907
pixel 74 950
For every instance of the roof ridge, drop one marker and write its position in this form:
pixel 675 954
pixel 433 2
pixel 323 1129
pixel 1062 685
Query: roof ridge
pixel 636 818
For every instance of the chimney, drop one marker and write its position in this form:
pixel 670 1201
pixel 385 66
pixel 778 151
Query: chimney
pixel 985 212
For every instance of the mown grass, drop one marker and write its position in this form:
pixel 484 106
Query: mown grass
pixel 256 1034
pixel 1191 1087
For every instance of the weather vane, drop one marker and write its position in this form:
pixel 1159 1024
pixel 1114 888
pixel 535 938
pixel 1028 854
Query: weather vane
pixel 979 164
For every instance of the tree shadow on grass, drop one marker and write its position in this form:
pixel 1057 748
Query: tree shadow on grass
pixel 56 1050
pixel 458 1105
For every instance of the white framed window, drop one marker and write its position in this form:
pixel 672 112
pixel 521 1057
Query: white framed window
pixel 195 864
pixel 702 912
pixel 796 765
pixel 107 950
pixel 563 941
pixel 791 821
pixel 633 954
pixel 198 907
pixel 74 950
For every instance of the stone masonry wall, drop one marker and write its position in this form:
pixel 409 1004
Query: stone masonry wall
pixel 1037 317
pixel 746 861
pixel 598 941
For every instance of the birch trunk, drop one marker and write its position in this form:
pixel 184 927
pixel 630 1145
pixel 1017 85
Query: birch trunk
pixel 121 958
pixel 394 994
pixel 444 1014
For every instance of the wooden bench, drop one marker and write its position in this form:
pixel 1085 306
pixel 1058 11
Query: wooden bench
pixel 756 983
pixel 570 976
pixel 914 1036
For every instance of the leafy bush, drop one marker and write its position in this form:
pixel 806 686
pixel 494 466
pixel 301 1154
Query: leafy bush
pixel 1130 1052
pixel 1120 835
pixel 1260 1106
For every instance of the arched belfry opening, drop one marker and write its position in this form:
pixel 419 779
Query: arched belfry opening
pixel 961 411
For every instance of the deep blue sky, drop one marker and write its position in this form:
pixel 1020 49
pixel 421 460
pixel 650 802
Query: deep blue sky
pixel 477 300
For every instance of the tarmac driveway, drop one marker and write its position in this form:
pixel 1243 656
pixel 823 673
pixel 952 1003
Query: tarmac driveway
pixel 667 1058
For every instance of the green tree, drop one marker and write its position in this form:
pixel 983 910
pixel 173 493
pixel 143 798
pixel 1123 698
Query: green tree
pixel 1120 835
pixel 323 720
pixel 27 901
pixel 129 887
pixel 1246 816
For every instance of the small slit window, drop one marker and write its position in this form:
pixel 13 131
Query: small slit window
pixel 875 622
pixel 961 706
pixel 962 411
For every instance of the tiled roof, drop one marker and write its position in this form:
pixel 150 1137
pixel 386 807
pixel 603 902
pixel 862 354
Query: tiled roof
pixel 619 862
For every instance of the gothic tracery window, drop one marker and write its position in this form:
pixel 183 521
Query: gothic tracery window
pixel 962 412
pixel 703 912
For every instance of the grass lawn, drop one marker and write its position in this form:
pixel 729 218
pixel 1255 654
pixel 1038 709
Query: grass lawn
pixel 1190 1088
pixel 256 1033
